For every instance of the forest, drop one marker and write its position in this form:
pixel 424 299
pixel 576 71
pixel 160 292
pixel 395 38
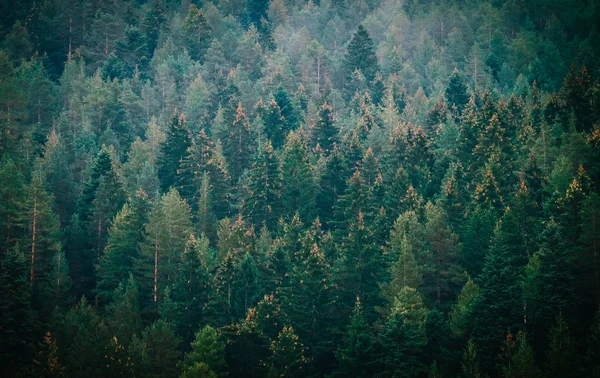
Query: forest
pixel 300 188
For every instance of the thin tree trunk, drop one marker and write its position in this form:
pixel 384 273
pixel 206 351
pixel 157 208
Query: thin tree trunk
pixel 33 239
pixel 155 268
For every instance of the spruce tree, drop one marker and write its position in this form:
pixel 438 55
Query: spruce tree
pixel 275 124
pixel 197 34
pixel 355 355
pixel 456 93
pixel 325 132
pixel 173 151
pixel 361 55
pixel 167 232
pixel 123 246
pixel 265 188
pixel 288 358
pixel 238 146
pixel 298 189
pixel 403 336
pixel 207 349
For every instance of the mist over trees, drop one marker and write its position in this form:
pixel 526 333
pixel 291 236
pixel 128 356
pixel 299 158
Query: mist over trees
pixel 290 188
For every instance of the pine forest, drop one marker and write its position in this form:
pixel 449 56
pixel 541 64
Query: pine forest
pixel 300 188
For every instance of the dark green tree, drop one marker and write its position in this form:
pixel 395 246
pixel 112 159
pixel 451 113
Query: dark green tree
pixel 263 206
pixel 196 33
pixel 173 151
pixel 361 55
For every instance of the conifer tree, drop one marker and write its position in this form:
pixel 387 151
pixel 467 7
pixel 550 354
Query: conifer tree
pixel 325 132
pixel 470 362
pixel 288 358
pixel 45 363
pixel 403 336
pixel 298 189
pixel 197 34
pixel 265 188
pixel 288 111
pixel 246 285
pixel 275 125
pixel 361 55
pixel 167 232
pixel 159 351
pixel 360 268
pixel 41 228
pixel 58 290
pixel 238 146
pixel 173 151
pixel 355 356
pixel 518 357
pixel 124 321
pixel 207 349
pixel 456 93
pixel 307 298
pixel 123 245
pixel 561 358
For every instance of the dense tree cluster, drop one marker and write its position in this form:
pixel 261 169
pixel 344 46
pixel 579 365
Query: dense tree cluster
pixel 299 188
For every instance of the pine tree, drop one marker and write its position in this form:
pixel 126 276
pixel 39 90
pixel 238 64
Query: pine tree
pixel 441 279
pixel 360 269
pixel 206 349
pixel 41 231
pixel 109 199
pixel 288 111
pixel 307 298
pixel 221 301
pixel 159 351
pixel 58 290
pixel 460 316
pixel 288 358
pixel 45 363
pixel 298 190
pixel 265 188
pixel 246 286
pixel 238 146
pixel 197 34
pixel 562 357
pixel 405 271
pixel 325 132
pixel 361 55
pixel 470 362
pixel 167 233
pixel 122 247
pixel 83 342
pixel 518 357
pixel 173 151
pixel 275 125
pixel 355 356
pixel 456 94
pixel 498 307
pixel 332 185
pixel 203 157
pixel 152 23
pixel 403 336
pixel 124 321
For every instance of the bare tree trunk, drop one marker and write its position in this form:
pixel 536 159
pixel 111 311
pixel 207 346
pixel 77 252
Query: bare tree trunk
pixel 33 239
pixel 155 268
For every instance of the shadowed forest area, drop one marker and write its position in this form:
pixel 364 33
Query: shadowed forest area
pixel 292 188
